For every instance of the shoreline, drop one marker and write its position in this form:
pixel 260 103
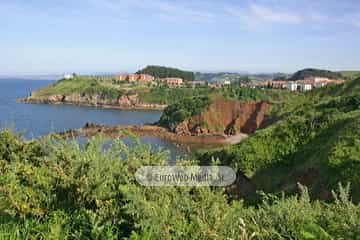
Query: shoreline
pixel 91 129
pixel 137 106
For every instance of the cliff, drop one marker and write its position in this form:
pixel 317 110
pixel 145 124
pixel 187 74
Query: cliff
pixel 99 100
pixel 227 117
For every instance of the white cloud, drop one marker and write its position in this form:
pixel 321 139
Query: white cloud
pixel 184 10
pixel 356 22
pixel 257 14
pixel 268 15
pixel 250 13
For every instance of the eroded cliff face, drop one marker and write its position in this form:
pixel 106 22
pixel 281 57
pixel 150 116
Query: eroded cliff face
pixel 226 117
pixel 125 101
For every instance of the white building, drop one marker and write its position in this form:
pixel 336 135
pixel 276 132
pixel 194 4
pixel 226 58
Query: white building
pixel 68 76
pixel 305 87
pixel 292 86
pixel 227 82
pixel 319 84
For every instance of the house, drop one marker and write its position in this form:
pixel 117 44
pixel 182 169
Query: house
pixel 140 78
pixel 133 77
pixel 227 82
pixel 145 78
pixel 68 76
pixel 278 84
pixel 309 83
pixel 305 87
pixel 121 77
pixel 173 82
pixel 318 82
pixel 194 84
pixel 212 85
pixel 292 86
pixel 223 82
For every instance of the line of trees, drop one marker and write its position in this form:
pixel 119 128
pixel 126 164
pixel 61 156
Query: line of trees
pixel 164 72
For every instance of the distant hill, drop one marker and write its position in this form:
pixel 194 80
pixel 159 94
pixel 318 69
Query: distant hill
pixel 220 76
pixel 233 77
pixel 163 72
pixel 312 72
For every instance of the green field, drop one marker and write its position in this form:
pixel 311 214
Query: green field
pixel 80 84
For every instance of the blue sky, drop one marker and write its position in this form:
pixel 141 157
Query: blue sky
pixel 86 36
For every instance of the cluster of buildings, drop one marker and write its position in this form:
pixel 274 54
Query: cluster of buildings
pixel 146 78
pixel 195 84
pixel 303 85
pixel 169 81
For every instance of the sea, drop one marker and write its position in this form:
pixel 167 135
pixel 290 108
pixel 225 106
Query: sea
pixel 36 120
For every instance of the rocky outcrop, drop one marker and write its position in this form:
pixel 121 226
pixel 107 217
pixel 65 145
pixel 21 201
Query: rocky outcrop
pixel 91 129
pixel 227 117
pixel 98 100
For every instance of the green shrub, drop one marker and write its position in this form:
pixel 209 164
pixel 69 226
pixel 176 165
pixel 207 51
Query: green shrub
pixel 56 189
pixel 183 110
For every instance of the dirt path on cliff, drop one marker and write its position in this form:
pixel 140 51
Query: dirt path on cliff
pixel 236 138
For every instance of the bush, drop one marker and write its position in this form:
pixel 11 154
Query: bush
pixel 56 189
pixel 183 110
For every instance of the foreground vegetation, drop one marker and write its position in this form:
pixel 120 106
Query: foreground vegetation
pixel 55 189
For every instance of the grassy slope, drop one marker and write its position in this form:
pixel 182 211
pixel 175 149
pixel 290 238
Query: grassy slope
pixel 351 75
pixel 163 95
pixel 173 95
pixel 78 85
pixel 321 136
pixel 147 94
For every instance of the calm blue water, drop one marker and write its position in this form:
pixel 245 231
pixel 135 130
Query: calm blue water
pixel 35 120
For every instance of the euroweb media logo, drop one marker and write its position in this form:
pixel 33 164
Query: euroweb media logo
pixel 162 176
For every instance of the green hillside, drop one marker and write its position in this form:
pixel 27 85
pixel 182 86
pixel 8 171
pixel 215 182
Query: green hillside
pixel 81 84
pixel 316 142
pixel 110 88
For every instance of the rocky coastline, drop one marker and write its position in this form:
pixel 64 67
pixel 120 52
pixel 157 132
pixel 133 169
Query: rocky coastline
pixel 223 122
pixel 124 102
pixel 152 130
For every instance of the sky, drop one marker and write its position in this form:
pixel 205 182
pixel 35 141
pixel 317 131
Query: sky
pixel 93 36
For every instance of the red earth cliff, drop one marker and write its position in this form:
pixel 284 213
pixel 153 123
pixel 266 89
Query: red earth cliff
pixel 227 117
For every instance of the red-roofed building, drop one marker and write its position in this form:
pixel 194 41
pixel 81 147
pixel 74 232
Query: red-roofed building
pixel 144 78
pixel 173 82
pixel 121 77
pixel 140 78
